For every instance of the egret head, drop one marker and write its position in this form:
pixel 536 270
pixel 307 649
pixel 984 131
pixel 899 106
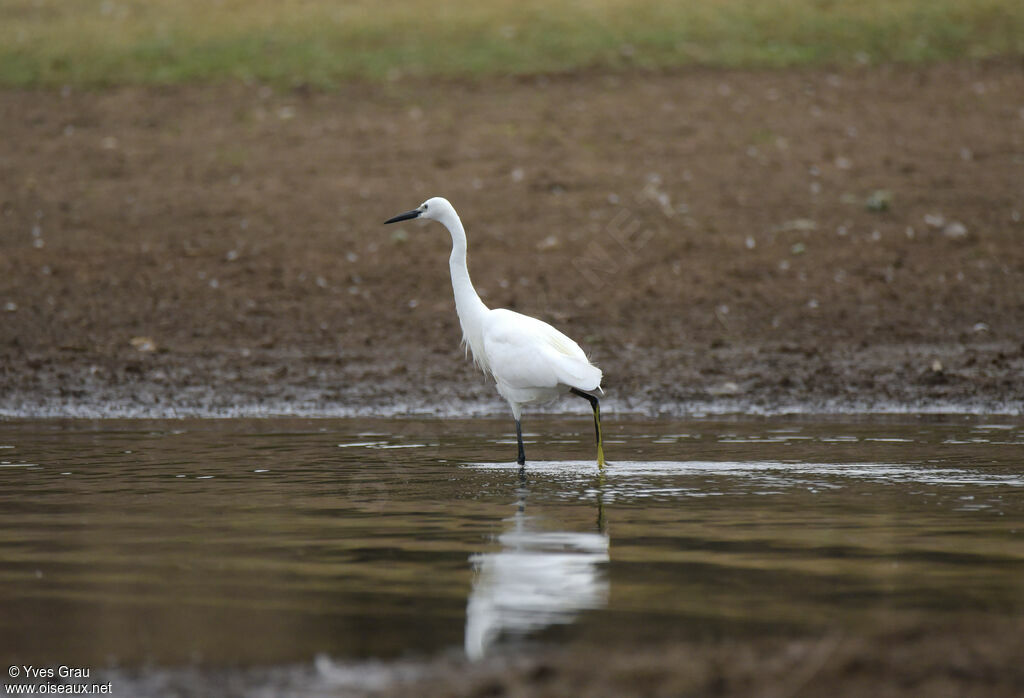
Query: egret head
pixel 432 209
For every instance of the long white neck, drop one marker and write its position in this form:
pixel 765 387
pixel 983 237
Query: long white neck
pixel 470 309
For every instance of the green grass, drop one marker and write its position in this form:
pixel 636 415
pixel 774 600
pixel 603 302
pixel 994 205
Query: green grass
pixel 104 42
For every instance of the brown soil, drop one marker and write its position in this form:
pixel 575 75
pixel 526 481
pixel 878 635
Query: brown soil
pixel 925 660
pixel 920 661
pixel 754 240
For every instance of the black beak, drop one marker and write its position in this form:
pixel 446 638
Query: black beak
pixel 404 216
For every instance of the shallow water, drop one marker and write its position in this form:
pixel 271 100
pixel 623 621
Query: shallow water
pixel 149 544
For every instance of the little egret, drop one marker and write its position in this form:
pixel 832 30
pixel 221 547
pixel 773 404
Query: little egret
pixel 530 360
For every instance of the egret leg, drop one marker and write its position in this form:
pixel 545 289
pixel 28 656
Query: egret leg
pixel 596 405
pixel 519 437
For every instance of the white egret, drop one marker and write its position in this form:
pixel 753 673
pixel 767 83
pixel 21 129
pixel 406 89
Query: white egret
pixel 531 362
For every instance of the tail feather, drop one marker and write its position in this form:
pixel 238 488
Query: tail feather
pixel 577 374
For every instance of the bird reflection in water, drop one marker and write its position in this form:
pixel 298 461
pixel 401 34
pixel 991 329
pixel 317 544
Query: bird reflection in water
pixel 539 578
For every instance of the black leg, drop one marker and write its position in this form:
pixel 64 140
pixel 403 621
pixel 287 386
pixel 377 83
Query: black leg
pixel 602 523
pixel 596 405
pixel 519 437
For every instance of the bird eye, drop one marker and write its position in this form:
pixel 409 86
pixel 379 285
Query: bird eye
pixel 425 207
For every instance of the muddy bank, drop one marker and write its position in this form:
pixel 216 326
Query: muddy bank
pixel 770 380
pixel 911 661
pixel 717 240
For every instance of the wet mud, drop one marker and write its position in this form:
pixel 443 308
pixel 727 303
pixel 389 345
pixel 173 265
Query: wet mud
pixel 809 240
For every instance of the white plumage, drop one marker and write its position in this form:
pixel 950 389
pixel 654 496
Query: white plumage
pixel 531 362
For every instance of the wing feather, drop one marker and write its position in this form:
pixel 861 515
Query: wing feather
pixel 523 352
